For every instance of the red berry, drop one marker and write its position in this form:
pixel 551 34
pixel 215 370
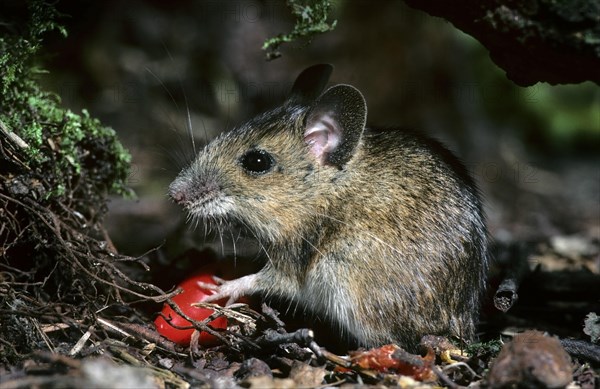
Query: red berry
pixel 192 293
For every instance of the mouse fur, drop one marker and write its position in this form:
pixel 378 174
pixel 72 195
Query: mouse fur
pixel 380 232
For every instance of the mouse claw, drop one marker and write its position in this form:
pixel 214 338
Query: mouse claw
pixel 220 292
pixel 207 286
pixel 233 290
pixel 218 280
pixel 213 298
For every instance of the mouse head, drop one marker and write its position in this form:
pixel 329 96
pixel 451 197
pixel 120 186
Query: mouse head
pixel 273 174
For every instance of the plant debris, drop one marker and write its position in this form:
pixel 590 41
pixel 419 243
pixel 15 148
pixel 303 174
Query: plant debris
pixel 392 359
pixel 58 267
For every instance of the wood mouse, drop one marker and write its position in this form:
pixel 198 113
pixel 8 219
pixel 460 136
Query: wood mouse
pixel 380 232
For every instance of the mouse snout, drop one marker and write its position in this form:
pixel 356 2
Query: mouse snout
pixel 177 194
pixel 180 190
pixel 184 192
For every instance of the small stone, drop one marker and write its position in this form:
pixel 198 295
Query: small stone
pixel 531 360
pixel 306 376
pixel 253 367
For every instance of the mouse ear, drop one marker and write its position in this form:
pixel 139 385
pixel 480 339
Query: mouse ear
pixel 310 83
pixel 335 124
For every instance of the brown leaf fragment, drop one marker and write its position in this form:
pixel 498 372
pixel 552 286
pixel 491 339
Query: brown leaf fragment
pixel 531 359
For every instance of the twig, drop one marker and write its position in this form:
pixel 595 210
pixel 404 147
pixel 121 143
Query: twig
pixel 227 311
pixel 338 360
pixel 32 207
pixel 303 337
pixel 444 378
pixel 12 136
pixel 506 294
pixel 80 343
pixel 461 364
pixel 582 349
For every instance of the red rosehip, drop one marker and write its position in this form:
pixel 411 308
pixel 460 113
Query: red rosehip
pixel 192 293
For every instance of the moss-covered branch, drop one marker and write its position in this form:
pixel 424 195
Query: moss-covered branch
pixel 311 19
pixel 542 40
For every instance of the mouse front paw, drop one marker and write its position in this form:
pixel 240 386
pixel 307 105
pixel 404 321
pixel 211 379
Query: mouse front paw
pixel 232 290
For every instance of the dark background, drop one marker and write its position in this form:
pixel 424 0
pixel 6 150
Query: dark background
pixel 143 66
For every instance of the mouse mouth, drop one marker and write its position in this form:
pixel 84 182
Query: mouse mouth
pixel 216 206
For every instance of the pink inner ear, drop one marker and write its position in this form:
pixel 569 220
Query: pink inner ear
pixel 322 136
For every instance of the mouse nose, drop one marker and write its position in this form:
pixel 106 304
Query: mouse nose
pixel 185 191
pixel 178 192
pixel 177 195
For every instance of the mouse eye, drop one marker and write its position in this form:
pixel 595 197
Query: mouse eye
pixel 257 161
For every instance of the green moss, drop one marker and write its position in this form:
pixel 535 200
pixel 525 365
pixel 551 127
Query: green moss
pixel 592 327
pixel 311 19
pixel 66 150
pixel 491 348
